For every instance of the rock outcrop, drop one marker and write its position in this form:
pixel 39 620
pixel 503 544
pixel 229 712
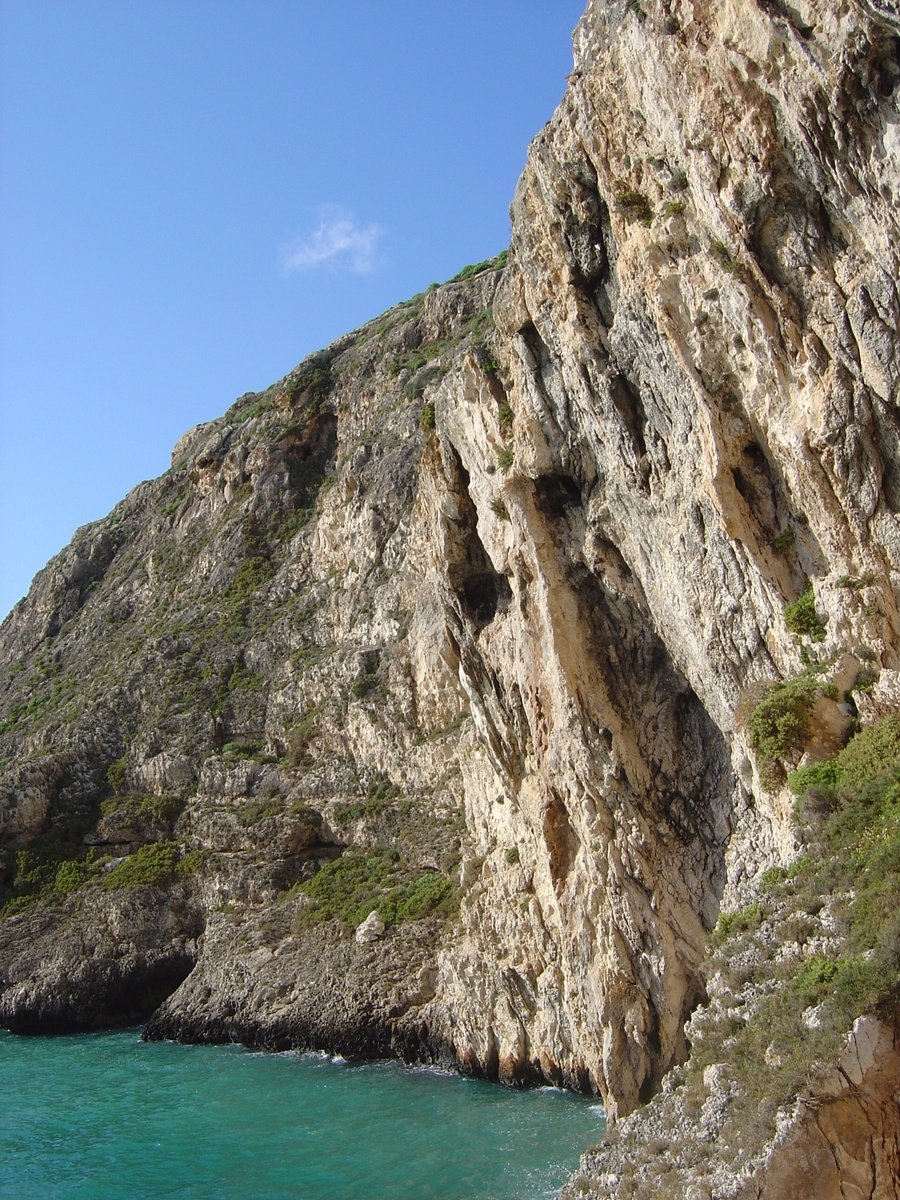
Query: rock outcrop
pixel 456 621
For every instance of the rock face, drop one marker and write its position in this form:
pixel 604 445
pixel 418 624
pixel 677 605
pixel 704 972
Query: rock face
pixel 468 602
pixel 840 1141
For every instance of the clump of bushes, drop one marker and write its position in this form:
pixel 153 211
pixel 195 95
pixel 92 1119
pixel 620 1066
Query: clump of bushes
pixel 365 683
pixel 415 387
pixel 802 619
pixel 857 582
pixel 301 735
pixel 149 866
pixel 779 725
pixel 50 869
pixel 381 794
pixel 44 875
pixel 852 868
pixel 350 887
pixel 234 752
pixel 116 772
pixel 634 206
pixel 426 417
pixel 143 809
pixel 256 811
pixel 740 921
pixel 489 264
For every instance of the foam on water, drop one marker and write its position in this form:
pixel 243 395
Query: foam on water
pixel 105 1116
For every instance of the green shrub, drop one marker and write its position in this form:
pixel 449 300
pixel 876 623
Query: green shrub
pixel 505 459
pixel 779 725
pixel 499 509
pixel 191 863
pixel 256 811
pixel 512 855
pixel 143 809
pixel 382 796
pixel 852 868
pixel 414 388
pixel 53 867
pixel 822 774
pixel 426 419
pixel 772 877
pixel 365 683
pixel 814 978
pixel 871 754
pixel 857 583
pixel 115 773
pixel 233 752
pixel 430 894
pixel 801 617
pixel 71 874
pixel 739 921
pixel 854 982
pixel 291 525
pixel 248 579
pixel 313 384
pixel 261 405
pixel 350 887
pixel 149 866
pixel 722 255
pixel 301 734
pixel 489 264
pixel 634 206
pixel 381 790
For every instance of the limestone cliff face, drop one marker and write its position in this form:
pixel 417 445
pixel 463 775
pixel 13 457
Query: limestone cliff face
pixel 480 588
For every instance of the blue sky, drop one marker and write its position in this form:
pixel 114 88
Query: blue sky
pixel 194 194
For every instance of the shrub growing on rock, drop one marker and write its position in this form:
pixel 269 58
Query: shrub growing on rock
pixel 779 725
pixel 801 617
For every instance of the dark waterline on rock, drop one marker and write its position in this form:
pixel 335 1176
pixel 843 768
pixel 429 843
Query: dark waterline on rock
pixel 103 1116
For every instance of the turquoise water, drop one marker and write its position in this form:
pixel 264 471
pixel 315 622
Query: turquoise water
pixel 106 1117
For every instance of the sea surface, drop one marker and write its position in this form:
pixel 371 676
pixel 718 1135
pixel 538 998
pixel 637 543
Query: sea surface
pixel 107 1117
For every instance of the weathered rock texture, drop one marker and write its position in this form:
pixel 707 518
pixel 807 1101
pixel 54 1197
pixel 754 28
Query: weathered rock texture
pixel 840 1140
pixel 485 581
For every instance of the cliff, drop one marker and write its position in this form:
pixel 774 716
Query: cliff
pixel 481 618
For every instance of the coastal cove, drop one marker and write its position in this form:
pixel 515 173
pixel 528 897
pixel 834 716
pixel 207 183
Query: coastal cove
pixel 105 1115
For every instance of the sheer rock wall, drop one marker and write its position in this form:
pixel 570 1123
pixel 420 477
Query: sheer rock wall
pixel 485 582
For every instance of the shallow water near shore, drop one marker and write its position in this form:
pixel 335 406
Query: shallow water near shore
pixel 105 1116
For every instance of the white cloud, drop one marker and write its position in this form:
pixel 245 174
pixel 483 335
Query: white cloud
pixel 337 239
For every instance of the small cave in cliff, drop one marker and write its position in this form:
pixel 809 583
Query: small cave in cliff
pixel 754 482
pixel 307 450
pixel 560 839
pixel 626 400
pixel 481 591
pixel 673 732
pixel 482 594
pixel 554 495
